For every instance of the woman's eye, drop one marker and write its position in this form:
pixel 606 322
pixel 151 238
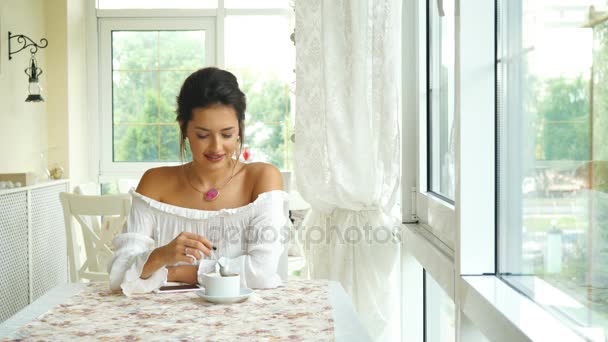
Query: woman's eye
pixel 201 136
pixel 227 136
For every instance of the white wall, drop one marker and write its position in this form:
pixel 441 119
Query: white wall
pixel 59 126
pixel 67 105
pixel 78 123
pixel 23 126
pixel 57 93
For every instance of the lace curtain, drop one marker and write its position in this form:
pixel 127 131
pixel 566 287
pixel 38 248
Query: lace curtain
pixel 347 151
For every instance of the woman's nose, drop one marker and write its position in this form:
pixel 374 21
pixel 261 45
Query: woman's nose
pixel 215 143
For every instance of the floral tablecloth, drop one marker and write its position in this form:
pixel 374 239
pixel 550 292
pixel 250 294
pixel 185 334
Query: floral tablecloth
pixel 298 311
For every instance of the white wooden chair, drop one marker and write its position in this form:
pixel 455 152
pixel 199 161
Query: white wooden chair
pixel 100 218
pixel 91 189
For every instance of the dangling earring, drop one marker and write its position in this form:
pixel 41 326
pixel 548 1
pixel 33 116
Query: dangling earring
pixel 236 156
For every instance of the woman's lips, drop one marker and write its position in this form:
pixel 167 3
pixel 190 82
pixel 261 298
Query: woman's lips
pixel 214 158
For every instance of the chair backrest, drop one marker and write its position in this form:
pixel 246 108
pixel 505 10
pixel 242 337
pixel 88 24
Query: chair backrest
pixel 100 218
pixel 91 188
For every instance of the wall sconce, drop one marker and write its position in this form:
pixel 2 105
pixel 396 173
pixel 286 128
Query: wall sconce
pixel 32 71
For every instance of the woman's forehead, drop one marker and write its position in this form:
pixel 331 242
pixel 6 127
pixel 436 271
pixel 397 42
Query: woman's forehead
pixel 214 117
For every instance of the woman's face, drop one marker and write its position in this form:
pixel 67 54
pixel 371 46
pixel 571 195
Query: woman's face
pixel 212 133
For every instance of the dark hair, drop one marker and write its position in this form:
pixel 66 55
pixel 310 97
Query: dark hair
pixel 204 88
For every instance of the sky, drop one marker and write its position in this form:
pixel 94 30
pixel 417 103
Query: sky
pixel 553 30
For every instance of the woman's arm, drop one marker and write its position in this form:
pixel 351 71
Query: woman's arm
pixel 148 186
pixel 152 265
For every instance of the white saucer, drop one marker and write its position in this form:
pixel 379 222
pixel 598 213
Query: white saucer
pixel 245 293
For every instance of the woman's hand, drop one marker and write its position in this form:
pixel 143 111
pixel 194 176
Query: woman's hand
pixel 183 274
pixel 186 247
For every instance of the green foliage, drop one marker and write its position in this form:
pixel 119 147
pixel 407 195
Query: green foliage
pixel 267 120
pixel 600 93
pixel 563 112
pixel 149 69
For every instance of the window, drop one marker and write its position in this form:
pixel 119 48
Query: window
pixel 265 69
pixel 143 64
pixel 145 55
pixel 439 314
pixel 440 102
pixel 258 3
pixel 552 64
pixel 188 4
pixel 434 40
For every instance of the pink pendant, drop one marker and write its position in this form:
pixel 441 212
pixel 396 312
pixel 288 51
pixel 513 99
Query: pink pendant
pixel 211 194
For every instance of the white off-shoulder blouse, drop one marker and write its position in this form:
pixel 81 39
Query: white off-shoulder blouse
pixel 252 237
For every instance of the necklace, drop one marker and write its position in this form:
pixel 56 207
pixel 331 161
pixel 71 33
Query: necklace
pixel 214 192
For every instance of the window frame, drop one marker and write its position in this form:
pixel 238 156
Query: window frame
pixel 484 303
pixel 102 168
pixel 487 300
pixel 509 66
pixel 435 212
pixel 434 49
pixel 106 25
pixel 429 302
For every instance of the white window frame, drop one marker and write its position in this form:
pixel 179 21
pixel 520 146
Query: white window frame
pixel 429 230
pixel 435 213
pixel 101 167
pixel 486 307
pixel 106 25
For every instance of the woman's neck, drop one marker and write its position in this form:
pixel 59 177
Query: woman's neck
pixel 206 178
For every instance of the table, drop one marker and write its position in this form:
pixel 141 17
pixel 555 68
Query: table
pixel 346 324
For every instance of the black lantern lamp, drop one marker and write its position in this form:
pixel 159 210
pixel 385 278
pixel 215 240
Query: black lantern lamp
pixel 33 71
pixel 34 87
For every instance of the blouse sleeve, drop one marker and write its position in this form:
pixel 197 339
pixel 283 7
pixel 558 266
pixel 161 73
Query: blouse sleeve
pixel 266 237
pixel 131 251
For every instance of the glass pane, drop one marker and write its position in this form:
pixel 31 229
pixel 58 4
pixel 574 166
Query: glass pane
pixel 266 143
pixel 109 188
pixel 258 3
pixel 266 80
pixel 136 143
pixel 244 48
pixel 169 147
pixel 135 96
pixel 182 50
pixel 118 4
pixel 440 317
pixel 441 149
pixel 170 84
pixel 134 50
pixel 149 68
pixel 553 156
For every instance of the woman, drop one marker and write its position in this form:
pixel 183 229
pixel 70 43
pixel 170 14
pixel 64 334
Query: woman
pixel 185 217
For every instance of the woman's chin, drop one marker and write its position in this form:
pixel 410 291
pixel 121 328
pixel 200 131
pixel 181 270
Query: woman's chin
pixel 214 165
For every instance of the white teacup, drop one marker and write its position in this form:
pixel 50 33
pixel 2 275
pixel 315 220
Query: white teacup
pixel 218 286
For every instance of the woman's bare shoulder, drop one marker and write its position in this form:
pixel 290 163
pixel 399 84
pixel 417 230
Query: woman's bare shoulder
pixel 157 181
pixel 265 177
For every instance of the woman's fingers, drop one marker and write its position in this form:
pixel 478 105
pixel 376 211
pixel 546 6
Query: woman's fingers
pixel 193 245
pixel 205 242
pixel 200 238
pixel 201 248
pixel 190 259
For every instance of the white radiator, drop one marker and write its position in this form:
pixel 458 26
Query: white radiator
pixel 33 252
